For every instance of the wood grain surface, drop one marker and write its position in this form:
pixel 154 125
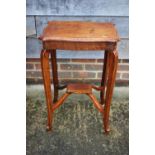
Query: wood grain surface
pixel 79 31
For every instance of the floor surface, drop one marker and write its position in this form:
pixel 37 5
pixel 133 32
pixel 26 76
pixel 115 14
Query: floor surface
pixel 77 126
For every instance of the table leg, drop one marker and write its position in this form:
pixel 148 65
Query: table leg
pixel 47 85
pixel 113 61
pixel 104 77
pixel 55 74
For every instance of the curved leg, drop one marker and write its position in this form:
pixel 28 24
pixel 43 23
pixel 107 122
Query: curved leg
pixel 104 77
pixel 55 74
pixel 113 61
pixel 47 85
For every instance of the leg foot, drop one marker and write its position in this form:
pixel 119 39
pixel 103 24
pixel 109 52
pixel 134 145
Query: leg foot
pixel 106 131
pixel 48 128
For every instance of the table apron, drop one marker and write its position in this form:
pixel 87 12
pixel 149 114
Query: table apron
pixel 61 45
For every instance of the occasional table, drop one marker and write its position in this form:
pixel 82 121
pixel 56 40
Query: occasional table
pixel 78 35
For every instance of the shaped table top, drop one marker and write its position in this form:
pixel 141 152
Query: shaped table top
pixel 79 31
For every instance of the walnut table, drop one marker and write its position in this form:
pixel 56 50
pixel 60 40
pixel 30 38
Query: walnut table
pixel 76 35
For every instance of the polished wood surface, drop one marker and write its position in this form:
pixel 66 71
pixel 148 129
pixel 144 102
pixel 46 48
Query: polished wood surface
pixel 54 74
pixel 47 85
pixel 113 61
pixel 63 45
pixel 77 31
pixel 104 76
pixel 80 36
pixel 76 35
pixel 79 88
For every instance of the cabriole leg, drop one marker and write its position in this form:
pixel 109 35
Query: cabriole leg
pixel 113 61
pixel 47 86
